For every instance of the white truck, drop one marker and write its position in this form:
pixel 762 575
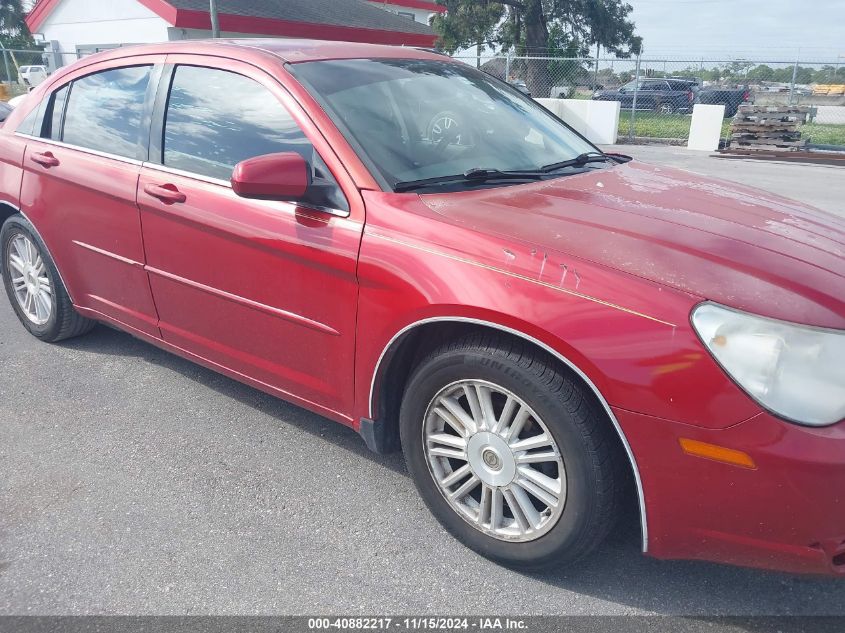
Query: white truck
pixel 31 76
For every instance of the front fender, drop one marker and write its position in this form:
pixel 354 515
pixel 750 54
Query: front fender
pixel 630 337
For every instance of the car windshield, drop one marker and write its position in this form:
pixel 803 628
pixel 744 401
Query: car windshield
pixel 413 119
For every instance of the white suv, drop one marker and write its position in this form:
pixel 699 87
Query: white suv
pixel 32 75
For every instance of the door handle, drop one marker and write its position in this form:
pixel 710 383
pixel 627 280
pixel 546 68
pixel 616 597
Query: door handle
pixel 168 193
pixel 45 159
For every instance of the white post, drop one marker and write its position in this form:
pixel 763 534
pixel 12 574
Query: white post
pixel 706 127
pixel 215 19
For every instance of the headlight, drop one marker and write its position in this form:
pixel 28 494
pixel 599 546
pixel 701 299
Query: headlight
pixel 794 371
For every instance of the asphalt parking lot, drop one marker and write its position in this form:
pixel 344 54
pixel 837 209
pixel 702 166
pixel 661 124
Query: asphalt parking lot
pixel 822 186
pixel 134 482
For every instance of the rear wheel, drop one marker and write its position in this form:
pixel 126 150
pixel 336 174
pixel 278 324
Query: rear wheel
pixel 34 287
pixel 666 108
pixel 511 453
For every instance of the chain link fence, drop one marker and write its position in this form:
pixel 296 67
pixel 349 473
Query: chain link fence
pixel 657 95
pixel 22 70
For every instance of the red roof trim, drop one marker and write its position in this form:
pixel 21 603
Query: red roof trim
pixel 162 9
pixel 43 9
pixel 288 28
pixel 39 13
pixel 415 4
pixel 259 26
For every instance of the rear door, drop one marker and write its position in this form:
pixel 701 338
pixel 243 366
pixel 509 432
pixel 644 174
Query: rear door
pixel 264 289
pixel 81 171
pixel 651 93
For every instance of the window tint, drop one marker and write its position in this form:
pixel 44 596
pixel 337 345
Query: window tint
pixel 417 119
pixel 215 119
pixel 27 126
pixel 53 116
pixel 104 111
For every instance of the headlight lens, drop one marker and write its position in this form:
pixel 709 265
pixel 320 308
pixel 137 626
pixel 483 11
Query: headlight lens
pixel 797 372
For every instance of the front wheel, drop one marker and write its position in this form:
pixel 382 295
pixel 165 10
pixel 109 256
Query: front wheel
pixel 510 453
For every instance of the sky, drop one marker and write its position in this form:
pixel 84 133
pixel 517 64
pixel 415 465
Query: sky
pixel 778 30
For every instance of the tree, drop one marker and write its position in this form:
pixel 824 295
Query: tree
pixel 14 34
pixel 761 73
pixel 13 26
pixel 538 28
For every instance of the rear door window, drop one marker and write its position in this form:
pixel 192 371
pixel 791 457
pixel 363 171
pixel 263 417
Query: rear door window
pixel 53 117
pixel 104 111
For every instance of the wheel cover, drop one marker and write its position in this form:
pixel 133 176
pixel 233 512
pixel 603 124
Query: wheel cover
pixel 494 460
pixel 30 282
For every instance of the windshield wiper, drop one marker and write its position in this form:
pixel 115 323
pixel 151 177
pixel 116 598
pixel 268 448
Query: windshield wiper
pixel 472 176
pixel 581 159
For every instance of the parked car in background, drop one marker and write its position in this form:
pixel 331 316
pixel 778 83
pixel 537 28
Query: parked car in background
pixel 731 98
pixel 14 102
pixel 552 334
pixel 659 95
pixel 32 75
pixel 675 94
pixel 565 91
pixel 520 85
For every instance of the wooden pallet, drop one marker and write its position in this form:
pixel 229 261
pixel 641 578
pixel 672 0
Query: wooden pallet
pixel 768 128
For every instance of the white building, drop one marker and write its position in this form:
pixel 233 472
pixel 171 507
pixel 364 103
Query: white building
pixel 74 28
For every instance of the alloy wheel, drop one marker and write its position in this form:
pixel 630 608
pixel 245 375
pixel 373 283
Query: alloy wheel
pixel 30 282
pixel 494 460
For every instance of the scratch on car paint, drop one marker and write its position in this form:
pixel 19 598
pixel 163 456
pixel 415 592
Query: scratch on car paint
pixel 509 255
pixel 565 270
pixel 577 279
pixel 543 265
pixel 515 275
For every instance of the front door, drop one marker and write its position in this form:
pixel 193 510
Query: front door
pixel 265 289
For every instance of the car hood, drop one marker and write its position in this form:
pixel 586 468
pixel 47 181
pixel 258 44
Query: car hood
pixel 717 240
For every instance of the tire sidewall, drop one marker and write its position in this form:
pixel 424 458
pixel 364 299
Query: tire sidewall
pixel 14 226
pixel 561 542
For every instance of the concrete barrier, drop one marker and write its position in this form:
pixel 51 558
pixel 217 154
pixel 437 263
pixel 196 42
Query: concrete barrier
pixel 830 115
pixel 706 127
pixel 597 120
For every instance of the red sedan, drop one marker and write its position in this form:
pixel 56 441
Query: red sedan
pixel 417 250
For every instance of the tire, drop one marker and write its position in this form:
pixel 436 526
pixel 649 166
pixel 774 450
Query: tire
pixel 50 324
pixel 593 470
pixel 666 108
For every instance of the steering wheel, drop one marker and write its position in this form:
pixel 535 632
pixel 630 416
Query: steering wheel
pixel 445 129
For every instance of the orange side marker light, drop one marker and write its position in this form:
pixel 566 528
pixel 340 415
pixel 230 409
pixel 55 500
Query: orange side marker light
pixel 717 453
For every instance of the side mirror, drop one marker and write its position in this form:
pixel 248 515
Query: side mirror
pixel 282 176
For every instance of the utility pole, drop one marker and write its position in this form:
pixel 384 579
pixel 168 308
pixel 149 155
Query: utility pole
pixel 792 86
pixel 634 103
pixel 596 73
pixel 215 19
pixel 6 62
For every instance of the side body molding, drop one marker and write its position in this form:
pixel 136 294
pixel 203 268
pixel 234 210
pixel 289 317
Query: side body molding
pixel 398 336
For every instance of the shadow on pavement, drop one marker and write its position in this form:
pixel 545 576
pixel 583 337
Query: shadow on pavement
pixel 617 572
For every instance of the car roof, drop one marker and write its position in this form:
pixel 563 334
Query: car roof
pixel 288 50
